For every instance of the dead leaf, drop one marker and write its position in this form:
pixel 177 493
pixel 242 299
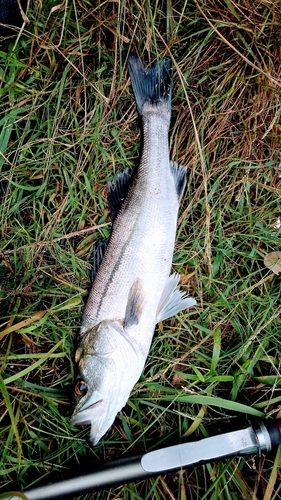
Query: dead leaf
pixel 272 260
pixel 57 7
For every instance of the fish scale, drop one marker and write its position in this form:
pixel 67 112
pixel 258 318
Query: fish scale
pixel 132 289
pixel 135 249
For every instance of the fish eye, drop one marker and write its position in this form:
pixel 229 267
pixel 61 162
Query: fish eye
pixel 81 388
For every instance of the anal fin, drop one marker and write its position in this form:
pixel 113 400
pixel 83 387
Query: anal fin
pixel 179 175
pixel 173 300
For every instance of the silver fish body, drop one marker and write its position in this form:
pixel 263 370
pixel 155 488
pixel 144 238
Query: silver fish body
pixel 133 289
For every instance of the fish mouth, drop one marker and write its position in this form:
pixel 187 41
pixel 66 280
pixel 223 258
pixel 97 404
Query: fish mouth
pixel 93 414
pixel 88 413
pixel 91 405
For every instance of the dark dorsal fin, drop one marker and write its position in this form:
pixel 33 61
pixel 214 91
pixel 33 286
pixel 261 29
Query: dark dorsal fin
pixel 117 191
pixel 98 254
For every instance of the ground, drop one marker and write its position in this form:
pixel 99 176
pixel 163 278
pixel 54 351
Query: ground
pixel 68 123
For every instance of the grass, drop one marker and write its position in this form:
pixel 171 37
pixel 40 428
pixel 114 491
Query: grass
pixel 68 122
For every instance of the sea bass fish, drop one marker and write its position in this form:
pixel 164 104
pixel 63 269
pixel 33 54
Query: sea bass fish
pixel 133 289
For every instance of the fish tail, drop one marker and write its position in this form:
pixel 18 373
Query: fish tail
pixel 152 86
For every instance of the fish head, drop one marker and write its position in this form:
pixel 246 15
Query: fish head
pixel 108 367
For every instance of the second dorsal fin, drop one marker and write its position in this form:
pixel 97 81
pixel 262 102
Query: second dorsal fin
pixel 117 190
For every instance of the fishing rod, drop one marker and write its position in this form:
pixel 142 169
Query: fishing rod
pixel 261 436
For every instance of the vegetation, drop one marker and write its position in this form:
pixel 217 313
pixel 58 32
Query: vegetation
pixel 68 122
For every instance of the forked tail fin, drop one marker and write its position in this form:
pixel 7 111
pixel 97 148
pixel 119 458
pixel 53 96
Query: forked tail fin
pixel 152 86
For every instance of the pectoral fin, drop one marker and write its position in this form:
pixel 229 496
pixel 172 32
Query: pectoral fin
pixel 172 300
pixel 134 305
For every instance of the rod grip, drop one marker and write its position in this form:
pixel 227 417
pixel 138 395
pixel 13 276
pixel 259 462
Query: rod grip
pixel 104 476
pixel 274 430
